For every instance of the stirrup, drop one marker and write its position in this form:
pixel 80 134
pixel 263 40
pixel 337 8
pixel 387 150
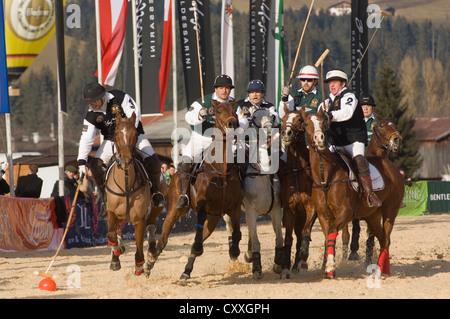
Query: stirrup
pixel 183 201
pixel 158 200
pixel 375 197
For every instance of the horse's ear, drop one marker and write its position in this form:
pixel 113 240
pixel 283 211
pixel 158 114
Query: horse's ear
pixel 133 117
pixel 215 103
pixel 320 113
pixel 303 112
pixel 118 117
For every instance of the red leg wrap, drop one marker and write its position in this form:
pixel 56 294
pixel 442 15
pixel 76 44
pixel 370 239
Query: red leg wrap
pixel 332 243
pixel 383 262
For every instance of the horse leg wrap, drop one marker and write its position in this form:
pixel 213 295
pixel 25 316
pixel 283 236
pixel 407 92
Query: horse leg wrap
pixel 330 266
pixel 139 268
pixel 116 249
pixel 331 245
pixel 287 257
pixel 257 268
pixel 383 262
pixel 304 248
pixel 279 255
pixel 233 242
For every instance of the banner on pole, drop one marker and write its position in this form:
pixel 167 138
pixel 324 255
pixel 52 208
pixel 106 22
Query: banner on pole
pixel 166 54
pixel 4 94
pixel 189 48
pixel 227 46
pixel 359 31
pixel 259 32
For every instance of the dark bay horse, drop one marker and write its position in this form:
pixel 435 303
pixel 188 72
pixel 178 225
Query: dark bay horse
pixel 337 203
pixel 385 139
pixel 296 188
pixel 128 192
pixel 214 191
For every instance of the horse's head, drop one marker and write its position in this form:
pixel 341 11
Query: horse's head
pixel 315 129
pixel 291 127
pixel 125 139
pixel 225 114
pixel 386 135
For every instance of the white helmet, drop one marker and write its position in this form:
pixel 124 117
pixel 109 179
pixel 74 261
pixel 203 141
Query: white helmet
pixel 308 72
pixel 336 74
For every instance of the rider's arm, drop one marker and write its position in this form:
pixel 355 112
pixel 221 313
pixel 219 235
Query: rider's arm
pixel 289 104
pixel 348 107
pixel 86 141
pixel 192 115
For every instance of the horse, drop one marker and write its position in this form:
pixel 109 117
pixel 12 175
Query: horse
pixel 128 193
pixel 296 186
pixel 215 191
pixel 261 190
pixel 385 139
pixel 337 203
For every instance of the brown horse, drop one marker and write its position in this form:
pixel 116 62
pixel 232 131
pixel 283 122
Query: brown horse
pixel 337 203
pixel 128 193
pixel 215 190
pixel 296 187
pixel 385 139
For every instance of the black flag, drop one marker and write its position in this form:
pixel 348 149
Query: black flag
pixel 259 36
pixel 189 48
pixel 360 82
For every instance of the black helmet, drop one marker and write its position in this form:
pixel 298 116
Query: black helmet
pixel 223 80
pixel 367 100
pixel 93 92
pixel 256 85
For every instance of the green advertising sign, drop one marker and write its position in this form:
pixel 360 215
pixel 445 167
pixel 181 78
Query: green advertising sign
pixel 438 197
pixel 415 199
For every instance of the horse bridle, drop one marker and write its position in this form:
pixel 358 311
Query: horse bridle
pixel 377 135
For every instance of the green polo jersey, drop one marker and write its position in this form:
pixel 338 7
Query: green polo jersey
pixel 311 100
pixel 370 122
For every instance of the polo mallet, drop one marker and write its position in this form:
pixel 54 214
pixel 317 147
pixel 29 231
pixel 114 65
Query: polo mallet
pixel 194 4
pixel 300 43
pixel 74 202
pixel 383 13
pixel 320 62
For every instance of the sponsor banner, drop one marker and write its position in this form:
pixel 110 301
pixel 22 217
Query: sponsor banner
pixel 26 223
pixel 148 58
pixel 415 199
pixel 29 25
pixel 189 53
pixel 259 32
pixel 438 197
pixel 359 30
pixel 4 94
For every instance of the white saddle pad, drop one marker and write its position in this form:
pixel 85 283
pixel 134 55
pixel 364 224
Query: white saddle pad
pixel 377 179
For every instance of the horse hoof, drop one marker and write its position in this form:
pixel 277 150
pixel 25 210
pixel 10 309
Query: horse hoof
pixel 285 274
pixel 153 256
pixel 257 275
pixel 234 252
pixel 277 269
pixel 115 265
pixel 247 259
pixel 330 275
pixel 303 265
pixel 353 256
pixel 330 269
pixel 185 276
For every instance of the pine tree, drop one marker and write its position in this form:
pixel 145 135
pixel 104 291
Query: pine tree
pixel 388 96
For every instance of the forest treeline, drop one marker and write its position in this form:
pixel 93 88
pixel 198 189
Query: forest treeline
pixel 418 52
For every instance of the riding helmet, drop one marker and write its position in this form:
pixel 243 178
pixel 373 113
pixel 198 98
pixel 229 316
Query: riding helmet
pixel 256 85
pixel 367 100
pixel 308 72
pixel 223 80
pixel 93 92
pixel 336 74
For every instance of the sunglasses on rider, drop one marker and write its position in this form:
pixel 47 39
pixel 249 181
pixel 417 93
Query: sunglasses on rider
pixel 306 80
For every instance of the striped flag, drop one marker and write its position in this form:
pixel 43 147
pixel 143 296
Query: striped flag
pixel 166 54
pixel 227 47
pixel 4 95
pixel 113 17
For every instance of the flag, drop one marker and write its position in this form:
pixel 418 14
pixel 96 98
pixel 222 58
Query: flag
pixel 4 95
pixel 166 54
pixel 275 54
pixel 113 17
pixel 359 30
pixel 259 31
pixel 227 47
pixel 189 48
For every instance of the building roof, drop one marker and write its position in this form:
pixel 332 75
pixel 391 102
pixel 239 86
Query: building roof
pixel 432 129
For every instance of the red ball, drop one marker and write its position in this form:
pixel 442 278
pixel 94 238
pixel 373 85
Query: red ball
pixel 47 284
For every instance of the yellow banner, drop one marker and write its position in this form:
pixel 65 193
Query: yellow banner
pixel 29 25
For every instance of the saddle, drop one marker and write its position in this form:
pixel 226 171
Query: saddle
pixel 377 179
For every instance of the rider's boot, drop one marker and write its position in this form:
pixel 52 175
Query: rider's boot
pixel 153 169
pixel 184 173
pixel 366 181
pixel 98 175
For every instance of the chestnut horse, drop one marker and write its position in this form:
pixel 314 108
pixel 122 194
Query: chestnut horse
pixel 128 193
pixel 214 192
pixel 337 203
pixel 385 139
pixel 296 187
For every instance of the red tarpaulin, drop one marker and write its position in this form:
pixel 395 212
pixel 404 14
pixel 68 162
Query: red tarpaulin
pixel 27 224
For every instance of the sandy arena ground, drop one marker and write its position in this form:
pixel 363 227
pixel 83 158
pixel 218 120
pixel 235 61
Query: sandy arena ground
pixel 420 268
